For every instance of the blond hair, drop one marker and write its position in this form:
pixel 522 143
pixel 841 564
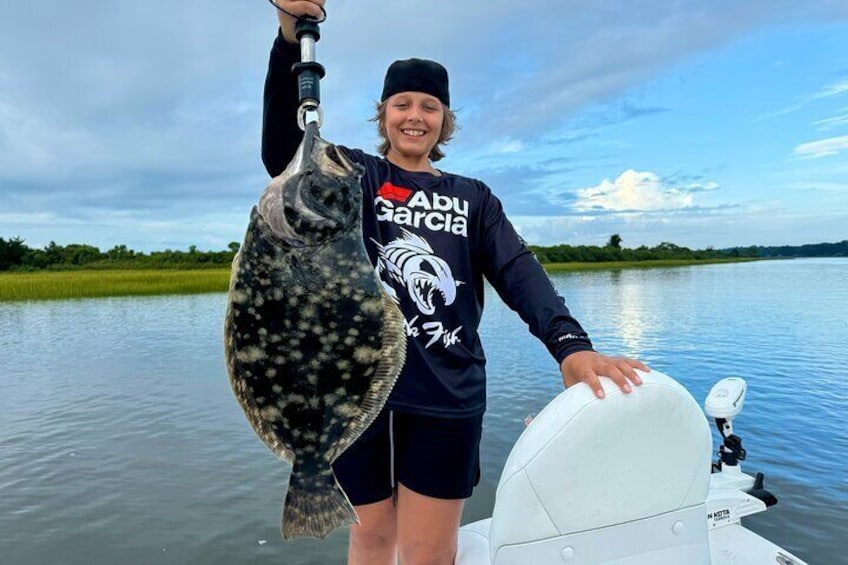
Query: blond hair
pixel 448 129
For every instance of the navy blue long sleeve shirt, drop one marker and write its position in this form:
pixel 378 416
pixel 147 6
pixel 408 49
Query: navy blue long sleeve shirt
pixel 433 239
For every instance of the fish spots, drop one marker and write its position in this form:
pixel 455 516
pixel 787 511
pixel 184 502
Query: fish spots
pixel 271 373
pixel 251 354
pixel 271 413
pixel 346 409
pixel 330 338
pixel 365 355
pixel 373 306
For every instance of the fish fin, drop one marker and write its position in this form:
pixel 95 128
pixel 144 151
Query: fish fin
pixel 262 428
pixel 264 431
pixel 393 354
pixel 269 438
pixel 311 512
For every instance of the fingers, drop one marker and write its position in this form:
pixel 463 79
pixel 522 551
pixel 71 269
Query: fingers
pixel 587 367
pixel 591 379
pixel 302 7
pixel 621 371
pixel 289 10
pixel 628 367
pixel 620 377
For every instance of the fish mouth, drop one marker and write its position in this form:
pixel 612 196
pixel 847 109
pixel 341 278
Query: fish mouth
pixel 425 290
pixel 333 161
pixel 317 197
pixel 428 280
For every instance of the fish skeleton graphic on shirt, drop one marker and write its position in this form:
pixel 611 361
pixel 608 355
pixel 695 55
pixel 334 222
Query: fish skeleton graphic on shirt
pixel 411 261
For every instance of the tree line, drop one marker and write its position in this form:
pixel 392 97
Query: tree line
pixel 613 251
pixel 16 255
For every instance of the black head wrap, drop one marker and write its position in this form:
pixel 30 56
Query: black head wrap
pixel 417 75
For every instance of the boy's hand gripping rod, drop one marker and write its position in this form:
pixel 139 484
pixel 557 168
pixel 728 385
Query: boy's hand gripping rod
pixel 309 72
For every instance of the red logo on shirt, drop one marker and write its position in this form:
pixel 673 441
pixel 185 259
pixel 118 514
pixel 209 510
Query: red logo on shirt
pixel 392 192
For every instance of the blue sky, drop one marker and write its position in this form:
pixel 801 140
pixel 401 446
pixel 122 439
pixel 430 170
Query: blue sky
pixel 701 123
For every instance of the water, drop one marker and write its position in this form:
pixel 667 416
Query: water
pixel 121 442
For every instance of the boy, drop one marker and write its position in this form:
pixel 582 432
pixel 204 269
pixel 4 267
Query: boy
pixel 432 237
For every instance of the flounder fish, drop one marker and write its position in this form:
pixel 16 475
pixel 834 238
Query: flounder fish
pixel 313 343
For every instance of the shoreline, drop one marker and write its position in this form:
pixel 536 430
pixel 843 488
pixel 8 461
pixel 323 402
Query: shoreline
pixel 97 283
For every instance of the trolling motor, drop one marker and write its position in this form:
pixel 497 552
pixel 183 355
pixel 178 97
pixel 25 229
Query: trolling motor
pixel 308 71
pixel 723 403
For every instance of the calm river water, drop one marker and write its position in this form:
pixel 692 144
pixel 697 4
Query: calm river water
pixel 121 442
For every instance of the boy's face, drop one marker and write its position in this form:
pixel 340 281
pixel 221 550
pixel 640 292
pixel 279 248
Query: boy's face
pixel 413 123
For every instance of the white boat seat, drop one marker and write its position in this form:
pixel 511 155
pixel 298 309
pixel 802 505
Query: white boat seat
pixel 619 480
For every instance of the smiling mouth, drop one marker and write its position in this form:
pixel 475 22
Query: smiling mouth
pixel 413 132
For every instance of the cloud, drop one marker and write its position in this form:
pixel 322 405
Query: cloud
pixel 835 121
pixel 833 90
pixel 822 147
pixel 829 91
pixel 635 191
pixel 151 111
pixel 719 227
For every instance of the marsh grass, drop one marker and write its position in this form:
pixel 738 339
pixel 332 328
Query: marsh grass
pixel 53 285
pixel 98 283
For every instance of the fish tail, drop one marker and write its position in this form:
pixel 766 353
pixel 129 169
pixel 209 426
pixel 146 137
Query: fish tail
pixel 315 512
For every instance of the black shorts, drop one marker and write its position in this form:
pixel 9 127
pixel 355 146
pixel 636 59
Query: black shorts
pixel 436 457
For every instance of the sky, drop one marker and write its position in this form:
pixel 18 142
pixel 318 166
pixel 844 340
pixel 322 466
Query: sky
pixel 705 124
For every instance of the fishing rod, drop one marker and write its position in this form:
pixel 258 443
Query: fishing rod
pixel 309 72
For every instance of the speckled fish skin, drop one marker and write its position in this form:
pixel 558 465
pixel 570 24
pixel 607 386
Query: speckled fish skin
pixel 313 344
